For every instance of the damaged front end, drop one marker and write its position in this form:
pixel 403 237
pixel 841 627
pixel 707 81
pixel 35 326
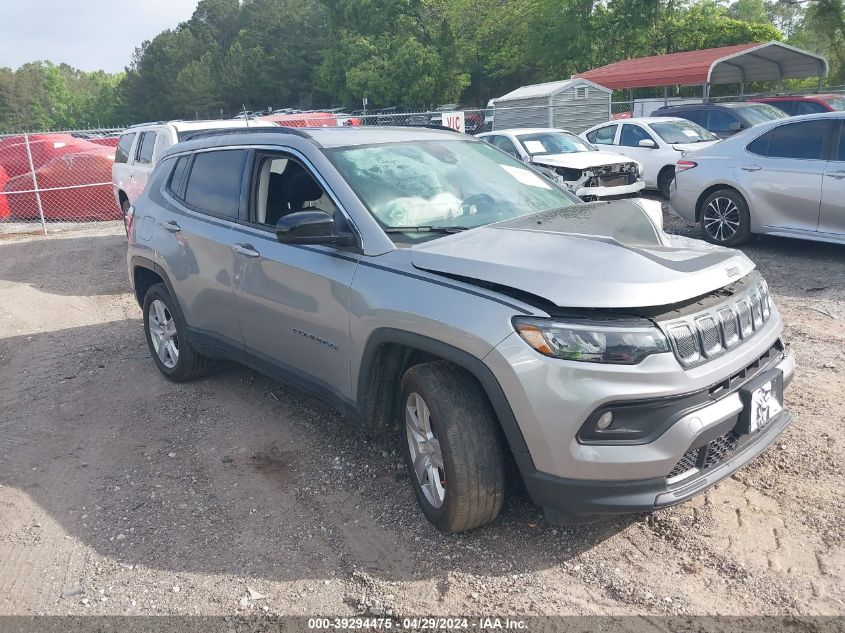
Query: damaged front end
pixel 621 180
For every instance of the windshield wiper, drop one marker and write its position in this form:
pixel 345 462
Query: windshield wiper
pixel 425 229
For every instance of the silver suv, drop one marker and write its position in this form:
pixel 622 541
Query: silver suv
pixel 420 278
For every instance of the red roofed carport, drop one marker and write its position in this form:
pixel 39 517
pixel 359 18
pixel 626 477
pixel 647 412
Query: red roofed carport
pixel 772 61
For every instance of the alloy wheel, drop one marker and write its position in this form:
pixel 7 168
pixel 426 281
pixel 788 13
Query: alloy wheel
pixel 721 219
pixel 425 451
pixel 163 334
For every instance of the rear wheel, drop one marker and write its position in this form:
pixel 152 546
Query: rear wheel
pixel 166 338
pixel 664 181
pixel 449 437
pixel 725 219
pixel 124 206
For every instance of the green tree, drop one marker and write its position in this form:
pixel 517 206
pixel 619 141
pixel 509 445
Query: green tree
pixel 822 30
pixel 392 52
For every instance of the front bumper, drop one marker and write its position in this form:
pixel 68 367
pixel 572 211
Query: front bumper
pixel 570 501
pixel 551 399
pixel 601 478
pixel 609 192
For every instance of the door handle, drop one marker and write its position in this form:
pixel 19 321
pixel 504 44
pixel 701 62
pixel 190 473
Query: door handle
pixel 170 225
pixel 751 168
pixel 246 250
pixel 839 175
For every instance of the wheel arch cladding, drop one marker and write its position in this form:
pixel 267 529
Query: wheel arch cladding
pixel 390 352
pixel 145 274
pixel 145 279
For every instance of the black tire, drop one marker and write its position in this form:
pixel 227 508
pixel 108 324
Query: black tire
pixel 465 425
pixel 189 364
pixel 664 181
pixel 738 219
pixel 124 207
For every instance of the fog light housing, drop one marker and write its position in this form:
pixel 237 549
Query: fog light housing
pixel 605 420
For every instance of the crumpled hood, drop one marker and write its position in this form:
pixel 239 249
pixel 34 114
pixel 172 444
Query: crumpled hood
pixel 691 147
pixel 593 255
pixel 581 160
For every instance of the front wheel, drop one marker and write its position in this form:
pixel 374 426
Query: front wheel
pixel 449 437
pixel 725 219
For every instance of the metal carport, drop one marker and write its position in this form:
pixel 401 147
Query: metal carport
pixel 739 64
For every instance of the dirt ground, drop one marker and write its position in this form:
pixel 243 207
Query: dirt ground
pixel 122 493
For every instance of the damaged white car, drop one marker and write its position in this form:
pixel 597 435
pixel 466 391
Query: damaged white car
pixel 572 162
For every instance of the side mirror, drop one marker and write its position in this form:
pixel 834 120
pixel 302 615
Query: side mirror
pixel 647 142
pixel 310 227
pixel 736 126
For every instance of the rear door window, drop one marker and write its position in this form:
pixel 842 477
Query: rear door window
pixel 760 145
pixel 145 148
pixel 696 116
pixel 787 106
pixel 720 121
pixel 803 140
pixel 807 107
pixel 214 184
pixel 121 153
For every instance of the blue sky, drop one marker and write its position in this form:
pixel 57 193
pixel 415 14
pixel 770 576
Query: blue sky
pixel 87 34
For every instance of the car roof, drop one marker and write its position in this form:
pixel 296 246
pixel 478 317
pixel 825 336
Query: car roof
pixel 325 137
pixel 685 106
pixel 821 97
pixel 651 119
pixel 208 124
pixel 519 131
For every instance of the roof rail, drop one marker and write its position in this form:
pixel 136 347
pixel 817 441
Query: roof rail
pixel 148 123
pixel 189 136
pixel 430 126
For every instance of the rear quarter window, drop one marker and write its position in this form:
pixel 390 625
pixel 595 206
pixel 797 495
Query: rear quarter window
pixel 176 184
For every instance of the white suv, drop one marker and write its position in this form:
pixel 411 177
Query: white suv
pixel 140 147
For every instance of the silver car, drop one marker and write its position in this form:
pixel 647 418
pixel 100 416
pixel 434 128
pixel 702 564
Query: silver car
pixel 425 281
pixel 785 177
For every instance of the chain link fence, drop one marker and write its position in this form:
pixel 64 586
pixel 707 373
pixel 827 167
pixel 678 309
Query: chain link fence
pixel 50 179
pixel 54 180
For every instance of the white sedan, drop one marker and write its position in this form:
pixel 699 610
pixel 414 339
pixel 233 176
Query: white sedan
pixel 656 142
pixel 570 161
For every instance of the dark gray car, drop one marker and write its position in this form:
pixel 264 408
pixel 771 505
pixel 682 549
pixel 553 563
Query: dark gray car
pixel 723 119
pixel 425 281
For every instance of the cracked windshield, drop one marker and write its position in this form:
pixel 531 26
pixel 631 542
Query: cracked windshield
pixel 443 186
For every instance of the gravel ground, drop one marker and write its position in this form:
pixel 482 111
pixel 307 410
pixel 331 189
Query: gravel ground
pixel 122 493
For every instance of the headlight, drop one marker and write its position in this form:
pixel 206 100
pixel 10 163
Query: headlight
pixel 623 344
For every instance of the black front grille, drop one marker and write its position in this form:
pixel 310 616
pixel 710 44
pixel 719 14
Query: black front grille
pixel 615 180
pixel 704 457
